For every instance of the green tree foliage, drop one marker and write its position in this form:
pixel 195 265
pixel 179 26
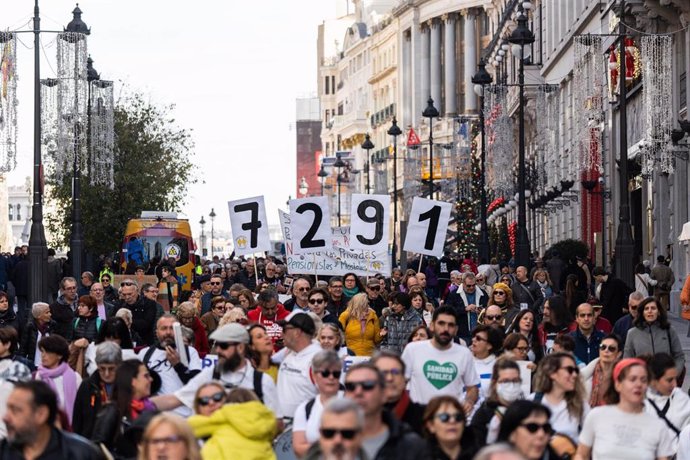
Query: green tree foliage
pixel 152 169
pixel 569 249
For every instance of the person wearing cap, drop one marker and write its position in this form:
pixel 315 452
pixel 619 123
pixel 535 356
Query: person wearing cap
pixel 232 369
pixel 295 384
pixel 612 292
pixel 623 429
pixel 376 300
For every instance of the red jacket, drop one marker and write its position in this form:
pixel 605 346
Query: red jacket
pixel 200 338
pixel 274 331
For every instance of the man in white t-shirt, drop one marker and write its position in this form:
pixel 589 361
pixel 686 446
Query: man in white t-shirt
pixel 232 369
pixel 164 359
pixel 295 384
pixel 439 366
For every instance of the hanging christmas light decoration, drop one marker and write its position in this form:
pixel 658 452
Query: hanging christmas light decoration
pixel 71 103
pixel 657 75
pixel 8 101
pixel 49 122
pixel 412 185
pixel 101 108
pixel 500 144
pixel 588 97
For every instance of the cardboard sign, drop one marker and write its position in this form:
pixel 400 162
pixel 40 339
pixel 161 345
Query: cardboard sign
pixel 311 229
pixel 370 222
pixel 249 225
pixel 427 227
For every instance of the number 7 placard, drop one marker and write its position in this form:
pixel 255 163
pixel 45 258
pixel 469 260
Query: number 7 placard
pixel 427 227
pixel 249 225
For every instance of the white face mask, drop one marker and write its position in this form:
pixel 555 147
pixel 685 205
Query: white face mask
pixel 509 391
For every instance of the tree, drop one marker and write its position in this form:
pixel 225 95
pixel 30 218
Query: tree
pixel 152 169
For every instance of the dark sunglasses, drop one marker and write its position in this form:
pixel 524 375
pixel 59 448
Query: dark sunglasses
pixel 329 433
pixel 302 289
pixel 225 345
pixel 206 400
pixel 367 385
pixel 499 293
pixel 534 427
pixel 327 373
pixel 316 301
pixel 215 283
pixel 611 348
pixel 374 288
pixel 126 283
pixel 445 417
pixel 493 317
pixel 105 280
pixel 571 369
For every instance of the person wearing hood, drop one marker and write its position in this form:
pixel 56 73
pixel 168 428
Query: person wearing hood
pixel 653 334
pixel 62 310
pixel 241 431
pixel 7 315
pixel 398 325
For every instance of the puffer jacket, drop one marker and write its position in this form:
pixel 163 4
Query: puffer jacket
pixel 86 328
pixel 649 339
pixel 362 343
pixel 399 327
pixel 239 431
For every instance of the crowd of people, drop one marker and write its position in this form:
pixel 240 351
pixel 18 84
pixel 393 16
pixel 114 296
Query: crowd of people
pixel 456 361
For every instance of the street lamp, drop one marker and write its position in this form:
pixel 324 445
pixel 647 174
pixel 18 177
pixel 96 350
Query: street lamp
pixel 322 175
pixel 212 215
pixel 202 222
pixel 431 112
pixel 394 131
pixel 481 79
pixel 339 164
pixel 521 37
pixel 303 186
pixel 368 146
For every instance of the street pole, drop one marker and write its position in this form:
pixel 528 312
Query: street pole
pixel 339 164
pixel 481 79
pixel 212 215
pixel 430 112
pixel 338 180
pixel 395 131
pixel 38 248
pixel 624 240
pixel 367 145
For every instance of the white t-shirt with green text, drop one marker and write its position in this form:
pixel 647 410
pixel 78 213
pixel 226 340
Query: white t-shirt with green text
pixel 433 372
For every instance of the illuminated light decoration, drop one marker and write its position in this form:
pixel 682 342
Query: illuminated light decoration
pixel 588 97
pixel 8 102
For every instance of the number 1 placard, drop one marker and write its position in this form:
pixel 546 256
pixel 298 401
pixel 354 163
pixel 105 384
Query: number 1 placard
pixel 427 227
pixel 370 222
pixel 249 225
pixel 310 222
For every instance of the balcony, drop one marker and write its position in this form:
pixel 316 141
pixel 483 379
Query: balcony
pixel 383 115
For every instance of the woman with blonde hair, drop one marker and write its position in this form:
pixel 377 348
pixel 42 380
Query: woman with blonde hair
pixel 209 397
pixel 233 315
pixel 361 326
pixel 169 436
pixel 542 278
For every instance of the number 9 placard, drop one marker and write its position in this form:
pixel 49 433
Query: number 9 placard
pixel 249 225
pixel 310 222
pixel 370 222
pixel 427 227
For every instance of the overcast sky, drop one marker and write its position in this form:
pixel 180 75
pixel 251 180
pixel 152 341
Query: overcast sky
pixel 233 70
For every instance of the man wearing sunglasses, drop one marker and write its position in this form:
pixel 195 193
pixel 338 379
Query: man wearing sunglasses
pixel 625 323
pixel 384 437
pixel 217 290
pixel 340 432
pixel 232 368
pixel 143 310
pixel 467 300
pixel 300 296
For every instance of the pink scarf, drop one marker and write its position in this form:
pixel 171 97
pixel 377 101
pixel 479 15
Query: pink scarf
pixel 69 385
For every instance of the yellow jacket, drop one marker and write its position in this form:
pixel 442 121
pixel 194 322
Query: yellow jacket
pixel 237 431
pixel 362 343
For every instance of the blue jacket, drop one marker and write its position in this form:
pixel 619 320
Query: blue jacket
pixel 587 350
pixel 622 326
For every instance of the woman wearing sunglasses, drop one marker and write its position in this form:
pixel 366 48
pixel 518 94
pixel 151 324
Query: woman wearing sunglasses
pixel 525 426
pixel 597 374
pixel 502 296
pixel 623 429
pixel 317 301
pixel 559 388
pixel 326 370
pixel 444 428
pixel 209 398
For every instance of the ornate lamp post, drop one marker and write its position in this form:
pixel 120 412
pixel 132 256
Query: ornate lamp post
pixel 394 131
pixel 368 146
pixel 520 38
pixel 339 164
pixel 322 175
pixel 212 215
pixel 481 79
pixel 431 112
pixel 202 222
pixel 303 186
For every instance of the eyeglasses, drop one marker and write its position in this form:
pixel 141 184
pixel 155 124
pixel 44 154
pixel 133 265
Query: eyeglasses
pixel 105 280
pixel 445 417
pixel 215 283
pixel 316 301
pixel 165 441
pixel 225 345
pixel 393 372
pixel 611 348
pixel 206 400
pixel 327 373
pixel 479 338
pixel 585 315
pixel 337 286
pixel 221 308
pixel 374 288
pixel 367 385
pixel 522 349
pixel 153 291
pixel 470 285
pixel 302 289
pixel 499 293
pixel 329 433
pixel 534 427
pixel 494 317
pixel 571 369
pixel 126 283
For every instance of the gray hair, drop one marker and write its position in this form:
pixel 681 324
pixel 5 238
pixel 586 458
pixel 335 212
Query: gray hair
pixel 108 353
pixel 488 452
pixel 636 296
pixel 455 273
pixel 468 276
pixel 125 314
pixel 326 358
pixel 65 279
pixel 38 308
pixel 340 406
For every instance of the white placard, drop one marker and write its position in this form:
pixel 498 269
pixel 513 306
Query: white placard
pixel 179 343
pixel 310 222
pixel 249 225
pixel 427 227
pixel 370 222
pixel 526 376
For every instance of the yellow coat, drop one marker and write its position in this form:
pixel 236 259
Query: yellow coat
pixel 237 431
pixel 362 343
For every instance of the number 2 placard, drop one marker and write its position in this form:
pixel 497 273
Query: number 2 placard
pixel 310 222
pixel 427 227
pixel 249 225
pixel 370 222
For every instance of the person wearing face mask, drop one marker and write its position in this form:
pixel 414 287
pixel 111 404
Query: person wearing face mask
pixel 505 388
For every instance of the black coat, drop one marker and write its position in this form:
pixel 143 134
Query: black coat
pixel 402 442
pixel 86 328
pixel 529 293
pixel 9 318
pixel 63 314
pixel 455 299
pixel 71 447
pixel 27 344
pixel 119 434
pixel 143 318
pixel 87 404
pixel 20 277
pixel 614 297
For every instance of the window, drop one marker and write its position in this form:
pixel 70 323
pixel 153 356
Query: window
pixel 11 214
pixel 328 86
pixel 19 212
pixel 333 83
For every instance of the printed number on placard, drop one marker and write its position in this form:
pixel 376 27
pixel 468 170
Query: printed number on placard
pixel 308 240
pixel 433 215
pixel 254 223
pixel 376 219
